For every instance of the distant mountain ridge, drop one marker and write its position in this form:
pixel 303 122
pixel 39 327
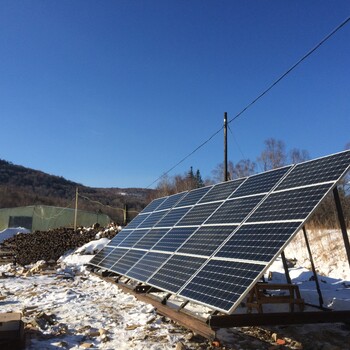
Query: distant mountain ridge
pixel 21 186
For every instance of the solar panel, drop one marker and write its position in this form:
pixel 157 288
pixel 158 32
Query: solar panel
pixel 221 191
pixel 259 242
pixel 235 210
pixel 171 201
pixel 147 266
pixel 206 240
pixel 198 214
pixel 260 183
pixel 149 239
pixel 112 258
pixel 212 244
pixel 173 239
pixel 153 205
pixel 172 217
pixel 175 272
pixel 289 205
pixel 220 284
pixel 193 197
pixel 127 260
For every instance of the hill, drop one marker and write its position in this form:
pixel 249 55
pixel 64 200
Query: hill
pixel 21 186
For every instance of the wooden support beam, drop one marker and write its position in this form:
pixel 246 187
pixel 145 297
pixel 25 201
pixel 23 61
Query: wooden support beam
pixel 182 317
pixel 147 289
pixel 269 319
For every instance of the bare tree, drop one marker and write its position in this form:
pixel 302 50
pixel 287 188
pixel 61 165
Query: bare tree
pixel 245 167
pixel 218 171
pixel 274 154
pixel 297 156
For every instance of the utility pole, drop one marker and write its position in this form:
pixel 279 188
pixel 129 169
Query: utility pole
pixel 225 147
pixel 76 209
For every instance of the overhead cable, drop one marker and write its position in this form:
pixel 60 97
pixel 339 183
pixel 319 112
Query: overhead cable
pixel 309 53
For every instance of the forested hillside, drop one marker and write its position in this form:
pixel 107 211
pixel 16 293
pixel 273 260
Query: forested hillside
pixel 21 186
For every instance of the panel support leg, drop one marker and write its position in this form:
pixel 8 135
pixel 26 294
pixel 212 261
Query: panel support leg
pixel 342 221
pixel 320 298
pixel 285 265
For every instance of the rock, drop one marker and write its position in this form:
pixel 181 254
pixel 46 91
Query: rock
pixel 132 327
pixel 102 331
pixel 86 345
pixel 274 337
pixel 180 346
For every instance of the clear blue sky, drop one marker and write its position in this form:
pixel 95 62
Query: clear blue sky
pixel 114 93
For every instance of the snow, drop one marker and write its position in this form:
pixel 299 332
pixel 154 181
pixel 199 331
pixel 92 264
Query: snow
pixel 84 308
pixel 11 231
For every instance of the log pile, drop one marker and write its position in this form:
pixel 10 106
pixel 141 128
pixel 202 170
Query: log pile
pixel 50 245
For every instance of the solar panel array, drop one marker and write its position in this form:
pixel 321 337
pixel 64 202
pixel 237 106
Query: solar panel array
pixel 212 244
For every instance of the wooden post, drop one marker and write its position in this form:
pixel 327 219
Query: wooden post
pixel 320 298
pixel 125 214
pixel 342 221
pixel 225 147
pixel 286 270
pixel 76 209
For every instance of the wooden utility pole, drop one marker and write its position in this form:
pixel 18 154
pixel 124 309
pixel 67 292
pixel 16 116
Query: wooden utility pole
pixel 225 147
pixel 76 209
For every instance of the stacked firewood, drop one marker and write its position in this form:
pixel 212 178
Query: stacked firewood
pixel 50 245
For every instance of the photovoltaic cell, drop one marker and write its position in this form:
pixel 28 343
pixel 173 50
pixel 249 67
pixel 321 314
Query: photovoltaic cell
pixel 118 238
pixel 193 196
pixel 234 211
pixel 259 242
pixel 127 261
pixel 153 205
pixel 147 265
pixel 100 256
pixel 173 239
pixel 260 183
pixel 171 201
pixel 221 191
pixel 131 240
pixel 137 220
pixel 150 238
pixel 153 219
pixel 175 272
pixel 220 284
pixel 290 205
pixel 172 217
pixel 206 240
pixel 112 258
pixel 198 214
pixel 317 171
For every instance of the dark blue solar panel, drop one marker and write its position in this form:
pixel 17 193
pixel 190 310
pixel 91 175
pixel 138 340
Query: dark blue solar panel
pixel 316 171
pixel 147 265
pixel 150 238
pixel 137 221
pixel 260 183
pixel 206 240
pixel 171 201
pixel 112 258
pixel 259 242
pixel 174 238
pixel 101 255
pixel 234 211
pixel 127 261
pixel 153 205
pixel 119 237
pixel 198 214
pixel 290 205
pixel 131 240
pixel 193 196
pixel 153 219
pixel 175 272
pixel 220 284
pixel 172 217
pixel 221 191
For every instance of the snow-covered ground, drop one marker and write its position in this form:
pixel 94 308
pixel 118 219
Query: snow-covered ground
pixel 70 308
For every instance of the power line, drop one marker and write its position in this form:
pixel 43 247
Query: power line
pixel 309 53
